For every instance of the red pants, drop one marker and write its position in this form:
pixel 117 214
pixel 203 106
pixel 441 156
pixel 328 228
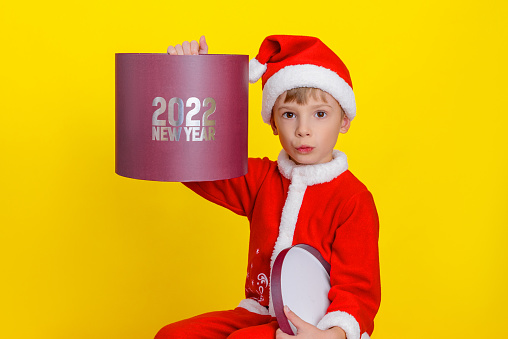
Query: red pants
pixel 236 324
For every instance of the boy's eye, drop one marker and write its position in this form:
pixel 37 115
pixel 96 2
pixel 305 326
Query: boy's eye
pixel 320 114
pixel 288 115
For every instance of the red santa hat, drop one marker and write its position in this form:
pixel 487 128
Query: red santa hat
pixel 285 62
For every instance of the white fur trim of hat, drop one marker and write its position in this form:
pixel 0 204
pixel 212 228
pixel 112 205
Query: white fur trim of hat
pixel 285 62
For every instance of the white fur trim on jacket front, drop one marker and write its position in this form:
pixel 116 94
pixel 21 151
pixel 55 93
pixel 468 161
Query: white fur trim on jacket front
pixel 344 320
pixel 307 75
pixel 300 176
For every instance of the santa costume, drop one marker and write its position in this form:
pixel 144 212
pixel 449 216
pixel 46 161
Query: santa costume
pixel 323 205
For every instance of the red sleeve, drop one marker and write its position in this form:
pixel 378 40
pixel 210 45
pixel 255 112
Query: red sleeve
pixel 355 277
pixel 237 194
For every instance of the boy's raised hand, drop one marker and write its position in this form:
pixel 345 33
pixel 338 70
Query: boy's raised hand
pixel 190 48
pixel 306 330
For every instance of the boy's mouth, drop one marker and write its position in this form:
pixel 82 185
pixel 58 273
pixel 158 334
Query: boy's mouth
pixel 304 149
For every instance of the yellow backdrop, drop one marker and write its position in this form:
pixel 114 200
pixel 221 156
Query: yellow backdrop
pixel 89 254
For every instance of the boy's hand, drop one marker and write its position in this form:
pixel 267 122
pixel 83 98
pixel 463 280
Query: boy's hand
pixel 190 48
pixel 306 330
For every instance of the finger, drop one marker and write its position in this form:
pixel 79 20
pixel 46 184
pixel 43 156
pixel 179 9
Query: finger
pixel 179 49
pixel 194 47
pixel 281 335
pixel 172 50
pixel 295 320
pixel 203 46
pixel 186 48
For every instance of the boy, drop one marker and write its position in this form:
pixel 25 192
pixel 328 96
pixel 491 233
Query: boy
pixel 308 196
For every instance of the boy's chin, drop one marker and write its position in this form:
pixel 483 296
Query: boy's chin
pixel 296 162
pixel 313 158
pixel 309 161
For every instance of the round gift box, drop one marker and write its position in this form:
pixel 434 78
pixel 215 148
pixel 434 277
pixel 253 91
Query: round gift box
pixel 300 280
pixel 181 118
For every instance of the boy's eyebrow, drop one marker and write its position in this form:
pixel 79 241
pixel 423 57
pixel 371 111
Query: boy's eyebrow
pixel 297 105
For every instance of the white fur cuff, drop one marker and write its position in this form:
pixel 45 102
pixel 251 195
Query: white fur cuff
pixel 345 321
pixel 253 306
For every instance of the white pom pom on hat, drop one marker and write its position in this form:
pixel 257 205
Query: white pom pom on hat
pixel 256 70
pixel 285 62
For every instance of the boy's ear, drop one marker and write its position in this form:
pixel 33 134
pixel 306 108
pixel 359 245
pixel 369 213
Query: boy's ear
pixel 346 123
pixel 274 127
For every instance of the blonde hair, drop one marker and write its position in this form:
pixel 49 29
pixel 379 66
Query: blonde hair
pixel 302 94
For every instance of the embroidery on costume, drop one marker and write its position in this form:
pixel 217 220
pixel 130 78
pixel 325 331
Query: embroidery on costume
pixel 261 284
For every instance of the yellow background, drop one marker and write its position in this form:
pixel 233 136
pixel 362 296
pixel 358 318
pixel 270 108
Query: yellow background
pixel 89 254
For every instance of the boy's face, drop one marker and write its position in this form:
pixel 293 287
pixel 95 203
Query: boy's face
pixel 309 132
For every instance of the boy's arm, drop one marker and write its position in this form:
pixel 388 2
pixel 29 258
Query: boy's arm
pixel 234 194
pixel 356 290
pixel 237 194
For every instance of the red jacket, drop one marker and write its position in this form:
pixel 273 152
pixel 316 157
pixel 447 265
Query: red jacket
pixel 322 205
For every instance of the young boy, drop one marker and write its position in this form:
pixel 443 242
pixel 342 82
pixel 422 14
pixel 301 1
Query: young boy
pixel 308 196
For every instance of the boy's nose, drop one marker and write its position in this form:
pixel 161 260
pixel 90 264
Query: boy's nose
pixel 302 129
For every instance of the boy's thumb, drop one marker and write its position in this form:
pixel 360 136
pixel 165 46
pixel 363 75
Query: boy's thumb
pixel 203 46
pixel 295 320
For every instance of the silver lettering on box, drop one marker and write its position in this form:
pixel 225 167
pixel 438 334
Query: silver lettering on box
pixel 171 111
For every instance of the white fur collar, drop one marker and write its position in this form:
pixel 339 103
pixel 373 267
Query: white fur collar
pixel 301 176
pixel 313 174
